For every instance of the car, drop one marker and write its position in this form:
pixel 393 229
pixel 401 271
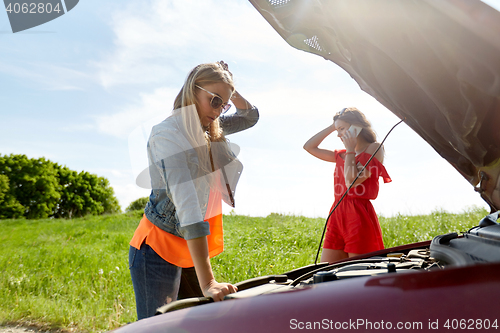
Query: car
pixel 436 65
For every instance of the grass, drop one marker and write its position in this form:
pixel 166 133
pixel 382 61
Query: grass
pixel 73 274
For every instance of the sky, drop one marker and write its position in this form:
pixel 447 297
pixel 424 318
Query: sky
pixel 84 90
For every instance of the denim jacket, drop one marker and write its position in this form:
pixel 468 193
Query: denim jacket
pixel 181 183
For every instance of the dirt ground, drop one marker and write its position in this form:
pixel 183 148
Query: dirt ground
pixel 14 329
pixel 23 329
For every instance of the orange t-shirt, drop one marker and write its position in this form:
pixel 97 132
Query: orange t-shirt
pixel 174 249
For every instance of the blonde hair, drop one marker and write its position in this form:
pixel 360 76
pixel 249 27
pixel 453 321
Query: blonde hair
pixel 353 116
pixel 204 74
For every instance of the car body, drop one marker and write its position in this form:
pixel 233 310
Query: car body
pixel 435 64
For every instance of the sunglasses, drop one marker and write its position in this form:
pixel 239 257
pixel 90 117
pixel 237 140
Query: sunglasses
pixel 341 112
pixel 216 102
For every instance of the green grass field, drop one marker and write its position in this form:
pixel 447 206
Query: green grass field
pixel 73 274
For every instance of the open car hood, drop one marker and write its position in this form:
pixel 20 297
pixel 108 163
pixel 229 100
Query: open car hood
pixel 435 63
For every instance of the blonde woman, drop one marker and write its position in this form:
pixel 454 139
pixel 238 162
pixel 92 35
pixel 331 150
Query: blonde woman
pixel 353 228
pixel 192 169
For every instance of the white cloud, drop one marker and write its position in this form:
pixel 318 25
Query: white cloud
pixel 160 40
pixel 47 75
pixel 156 105
pixel 158 43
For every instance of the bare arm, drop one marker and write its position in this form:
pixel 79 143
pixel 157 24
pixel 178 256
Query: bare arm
pixel 312 145
pixel 198 248
pixel 351 170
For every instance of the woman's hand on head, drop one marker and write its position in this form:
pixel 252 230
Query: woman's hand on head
pixel 224 66
pixel 312 145
pixel 218 290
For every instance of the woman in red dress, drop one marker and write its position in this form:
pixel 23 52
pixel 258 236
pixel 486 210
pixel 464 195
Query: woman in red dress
pixel 353 228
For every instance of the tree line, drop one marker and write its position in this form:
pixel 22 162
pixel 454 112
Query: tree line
pixel 38 188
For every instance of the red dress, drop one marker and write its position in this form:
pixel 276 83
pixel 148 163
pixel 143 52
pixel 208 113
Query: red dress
pixel 354 226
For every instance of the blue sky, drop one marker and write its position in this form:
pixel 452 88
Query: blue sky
pixel 83 90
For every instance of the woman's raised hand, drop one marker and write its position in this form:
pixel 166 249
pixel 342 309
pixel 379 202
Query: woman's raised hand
pixel 349 141
pixel 224 66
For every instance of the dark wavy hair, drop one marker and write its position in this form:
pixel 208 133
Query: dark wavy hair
pixel 353 116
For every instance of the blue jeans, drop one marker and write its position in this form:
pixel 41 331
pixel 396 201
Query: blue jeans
pixel 156 281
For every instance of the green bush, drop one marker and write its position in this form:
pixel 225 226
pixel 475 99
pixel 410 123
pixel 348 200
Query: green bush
pixel 38 188
pixel 138 204
pixel 9 206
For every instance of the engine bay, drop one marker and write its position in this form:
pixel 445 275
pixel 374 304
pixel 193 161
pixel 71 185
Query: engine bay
pixel 479 245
